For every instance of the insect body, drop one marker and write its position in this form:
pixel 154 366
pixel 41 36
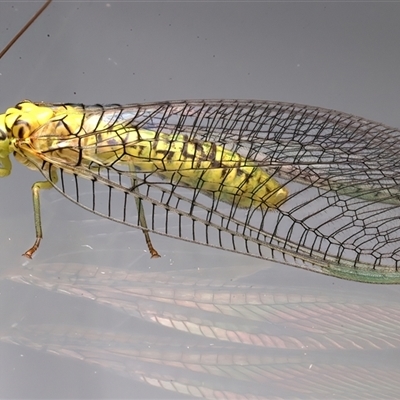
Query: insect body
pixel 82 137
pixel 78 139
pixel 301 185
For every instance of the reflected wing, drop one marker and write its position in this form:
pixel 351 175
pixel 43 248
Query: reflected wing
pixel 339 174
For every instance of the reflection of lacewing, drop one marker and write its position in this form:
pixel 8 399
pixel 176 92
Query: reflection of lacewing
pixel 302 185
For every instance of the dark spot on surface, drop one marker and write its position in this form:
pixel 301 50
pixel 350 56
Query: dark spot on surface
pixel 170 155
pixel 224 172
pixel 185 151
pixel 199 152
pixel 141 150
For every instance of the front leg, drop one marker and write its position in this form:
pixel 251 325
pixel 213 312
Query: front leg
pixel 36 188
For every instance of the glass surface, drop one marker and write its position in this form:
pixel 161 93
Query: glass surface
pixel 197 322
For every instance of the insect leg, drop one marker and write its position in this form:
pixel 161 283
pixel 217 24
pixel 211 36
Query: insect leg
pixel 142 218
pixel 36 188
pixel 5 169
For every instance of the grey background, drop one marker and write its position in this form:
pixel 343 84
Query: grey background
pixel 337 55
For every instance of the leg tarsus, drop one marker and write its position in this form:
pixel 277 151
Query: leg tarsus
pixel 142 218
pixel 36 188
pixel 29 253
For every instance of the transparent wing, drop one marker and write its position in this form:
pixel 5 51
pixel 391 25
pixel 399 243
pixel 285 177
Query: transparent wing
pixel 341 215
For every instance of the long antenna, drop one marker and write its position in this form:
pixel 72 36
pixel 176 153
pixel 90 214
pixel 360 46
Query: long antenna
pixel 27 25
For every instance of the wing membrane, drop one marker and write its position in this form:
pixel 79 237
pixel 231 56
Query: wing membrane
pixel 341 214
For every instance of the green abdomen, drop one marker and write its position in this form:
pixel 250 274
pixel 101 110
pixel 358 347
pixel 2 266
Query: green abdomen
pixel 210 168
